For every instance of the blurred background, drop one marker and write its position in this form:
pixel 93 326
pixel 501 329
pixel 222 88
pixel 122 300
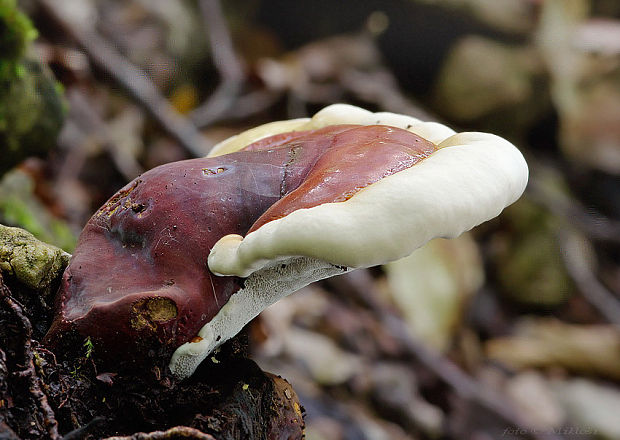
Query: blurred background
pixel 510 331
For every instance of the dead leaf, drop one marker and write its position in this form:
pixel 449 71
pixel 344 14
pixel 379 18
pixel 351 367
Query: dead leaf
pixel 432 285
pixel 547 342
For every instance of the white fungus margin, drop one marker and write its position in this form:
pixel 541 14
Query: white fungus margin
pixel 470 179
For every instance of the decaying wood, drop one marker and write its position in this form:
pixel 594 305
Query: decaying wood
pixel 178 432
pixel 44 394
pixel 28 373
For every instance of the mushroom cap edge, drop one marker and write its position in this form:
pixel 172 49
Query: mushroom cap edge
pixel 470 179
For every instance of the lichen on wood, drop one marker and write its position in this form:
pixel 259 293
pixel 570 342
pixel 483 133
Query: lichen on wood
pixel 33 263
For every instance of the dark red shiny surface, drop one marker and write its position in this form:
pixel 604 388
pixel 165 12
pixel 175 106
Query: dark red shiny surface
pixel 139 279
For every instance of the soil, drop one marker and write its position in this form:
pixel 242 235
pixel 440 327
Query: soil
pixel 71 395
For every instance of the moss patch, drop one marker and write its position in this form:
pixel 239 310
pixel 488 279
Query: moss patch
pixel 31 107
pixel 34 263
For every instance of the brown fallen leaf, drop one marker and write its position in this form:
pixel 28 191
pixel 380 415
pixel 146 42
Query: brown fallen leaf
pixel 431 287
pixel 547 342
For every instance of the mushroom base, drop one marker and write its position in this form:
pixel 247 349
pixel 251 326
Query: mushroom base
pixel 261 289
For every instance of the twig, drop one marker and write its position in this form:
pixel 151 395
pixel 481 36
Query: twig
pixel 577 252
pixel 133 80
pixel 7 433
pixel 226 62
pixel 48 352
pixel 178 432
pixel 381 88
pixel 80 433
pixel 596 226
pixel 29 373
pixel 579 259
pixel 360 283
pixel 252 103
pixel 88 117
pixel 224 55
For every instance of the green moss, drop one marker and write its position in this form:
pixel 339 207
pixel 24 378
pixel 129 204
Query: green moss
pixel 89 347
pixel 16 31
pixel 31 107
pixel 34 263
pixel 20 207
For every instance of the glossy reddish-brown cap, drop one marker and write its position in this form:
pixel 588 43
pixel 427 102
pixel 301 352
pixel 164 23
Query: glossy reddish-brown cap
pixel 139 278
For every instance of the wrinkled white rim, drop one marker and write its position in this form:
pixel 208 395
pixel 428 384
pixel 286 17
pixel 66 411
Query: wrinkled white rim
pixel 334 115
pixel 470 179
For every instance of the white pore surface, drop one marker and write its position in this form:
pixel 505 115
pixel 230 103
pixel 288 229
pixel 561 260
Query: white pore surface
pixel 470 179
pixel 261 289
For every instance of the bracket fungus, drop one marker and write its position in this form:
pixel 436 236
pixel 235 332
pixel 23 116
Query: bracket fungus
pixel 179 260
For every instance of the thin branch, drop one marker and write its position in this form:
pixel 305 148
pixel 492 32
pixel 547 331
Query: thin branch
pixel 579 259
pixel 29 373
pixel 88 117
pixel 360 284
pixel 178 432
pixel 577 251
pixel 82 432
pixel 381 88
pixel 596 226
pixel 226 62
pixel 132 79
pixel 224 56
pixel 252 103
